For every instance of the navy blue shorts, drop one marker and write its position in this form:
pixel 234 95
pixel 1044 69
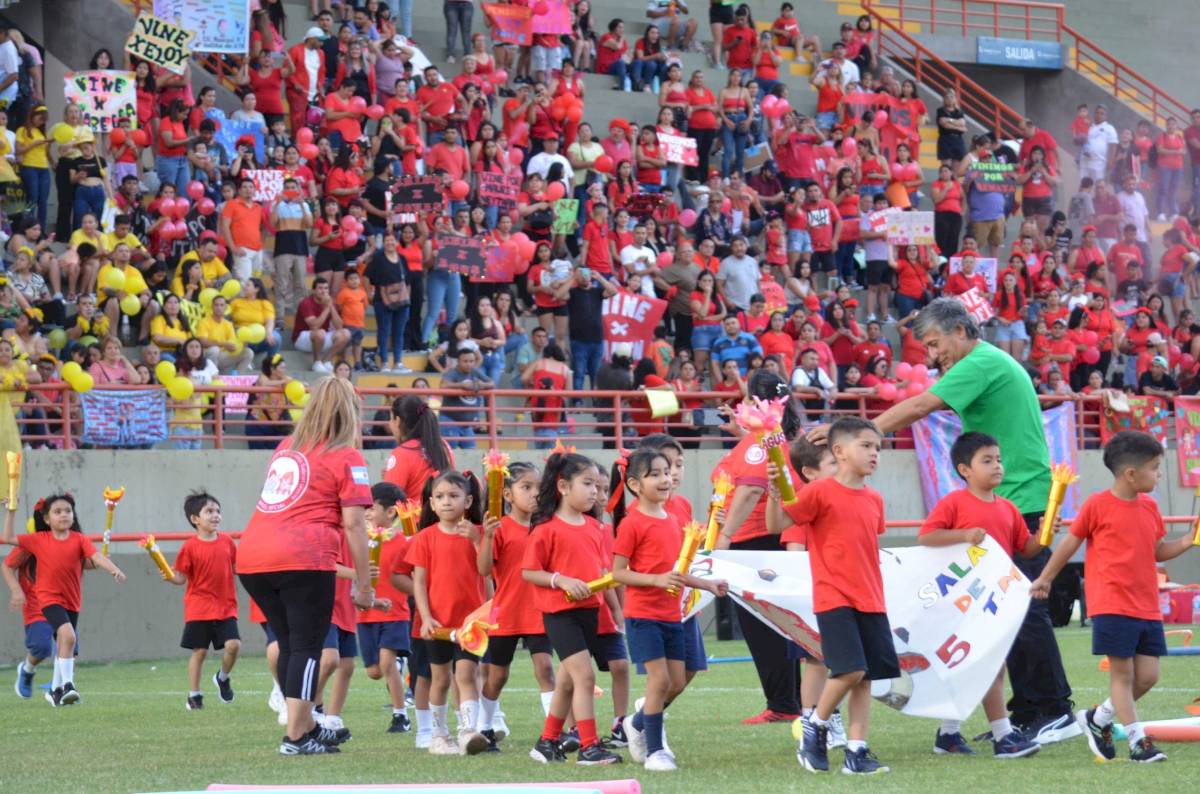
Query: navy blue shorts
pixel 695 657
pixel 854 641
pixel 1126 637
pixel 344 641
pixel 418 660
pixel 39 640
pixel 199 634
pixel 654 639
pixel 609 648
pixel 270 632
pixel 796 653
pixel 395 635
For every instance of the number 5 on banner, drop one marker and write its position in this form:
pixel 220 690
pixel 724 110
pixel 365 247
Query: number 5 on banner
pixel 952 646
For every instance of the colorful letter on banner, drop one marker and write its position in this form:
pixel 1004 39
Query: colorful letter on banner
pixel 910 228
pixel 500 190
pixel 978 306
pixel 220 25
pixel 632 318
pixel 935 434
pixel 237 400
pixel 124 418
pixel 985 266
pixel 954 613
pixel 267 183
pixel 679 148
pixel 232 129
pixel 1187 437
pixel 510 24
pixel 556 21
pixel 163 43
pixel 566 214
pixel 990 177
pixel 1145 414
pixel 106 96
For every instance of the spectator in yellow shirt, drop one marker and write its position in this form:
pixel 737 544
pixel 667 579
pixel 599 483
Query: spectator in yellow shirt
pixel 170 329
pixel 252 306
pixel 88 322
pixel 212 270
pixel 220 341
pixel 123 233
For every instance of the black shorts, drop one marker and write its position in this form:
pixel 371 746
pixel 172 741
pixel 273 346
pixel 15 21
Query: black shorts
pixel 557 311
pixel 328 260
pixel 854 641
pixel 878 272
pixel 57 615
pixel 204 633
pixel 718 13
pixel 501 650
pixel 445 652
pixel 418 661
pixel 1043 205
pixel 822 262
pixel 572 631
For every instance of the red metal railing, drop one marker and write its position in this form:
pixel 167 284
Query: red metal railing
pixel 1042 22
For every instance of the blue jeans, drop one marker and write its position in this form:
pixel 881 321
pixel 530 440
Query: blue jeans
pixel 402 13
pixel 906 305
pixel 265 346
pixel 36 182
pixel 88 199
pixel 843 256
pixel 389 333
pixel 734 149
pixel 548 434
pixel 620 70
pixel 459 436
pixel 1168 191
pixel 493 366
pixel 644 72
pixel 585 360
pixel 173 170
pixel 186 437
pixel 458 16
pixel 442 288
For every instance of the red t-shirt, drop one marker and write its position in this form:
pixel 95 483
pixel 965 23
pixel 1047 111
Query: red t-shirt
pixel 17 559
pixel 843 544
pixel 514 602
pixel 59 567
pixel 960 282
pixel 1172 260
pixel 209 568
pixel 1120 255
pixel 437 100
pixel 308 307
pixel 453 161
pixel 1000 518
pixel 349 127
pixel 864 351
pixel 606 538
pixel 778 343
pixel 297 524
pixel 912 350
pixel 341 179
pixel 738 43
pixel 822 217
pixel 746 465
pixel 392 552
pixel 408 467
pixel 599 254
pixel 607 56
pixel 953 200
pixel 652 547
pixel 1119 568
pixel 343 600
pixel 573 550
pixel 454 585
pixel 178 133
pixel 1059 347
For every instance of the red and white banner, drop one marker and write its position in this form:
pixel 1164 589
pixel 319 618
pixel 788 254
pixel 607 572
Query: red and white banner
pixel 679 149
pixel 977 305
pixel 267 184
pixel 631 318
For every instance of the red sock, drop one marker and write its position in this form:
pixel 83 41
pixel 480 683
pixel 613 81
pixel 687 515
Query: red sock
pixel 553 727
pixel 587 732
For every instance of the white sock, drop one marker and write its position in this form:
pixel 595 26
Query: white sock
pixel 468 715
pixel 276 691
pixel 397 712
pixel 27 667
pixel 222 675
pixel 854 745
pixel 441 727
pixel 195 693
pixel 950 727
pixel 68 670
pixel 1000 728
pixel 546 698
pixel 815 719
pixel 424 721
pixel 487 712
pixel 334 722
pixel 1136 733
pixel 56 680
pixel 807 713
pixel 1104 713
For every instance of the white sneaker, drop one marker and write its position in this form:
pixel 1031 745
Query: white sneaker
pixel 666 747
pixel 870 318
pixel 471 742
pixel 661 761
pixel 889 320
pixel 424 740
pixel 499 726
pixel 281 717
pixel 318 367
pixel 837 731
pixel 400 369
pixel 444 745
pixel 637 741
pixel 276 701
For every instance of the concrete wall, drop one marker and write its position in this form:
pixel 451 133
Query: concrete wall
pixel 142 618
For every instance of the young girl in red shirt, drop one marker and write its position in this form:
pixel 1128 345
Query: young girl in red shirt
pixel 61 552
pixel 563 554
pixel 447 588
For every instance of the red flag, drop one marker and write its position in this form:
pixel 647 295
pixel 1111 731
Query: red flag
pixel 631 318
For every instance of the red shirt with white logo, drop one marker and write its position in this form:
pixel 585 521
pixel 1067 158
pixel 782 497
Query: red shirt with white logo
pixel 822 217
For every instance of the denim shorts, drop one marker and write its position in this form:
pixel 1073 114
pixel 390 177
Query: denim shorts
pixel 654 639
pixel 799 242
pixel 1125 637
pixel 826 120
pixel 703 336
pixel 395 635
pixel 1173 285
pixel 1012 332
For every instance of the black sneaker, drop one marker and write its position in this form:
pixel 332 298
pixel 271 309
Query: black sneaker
pixel 492 746
pixel 568 742
pixel 596 755
pixel 813 752
pixel 224 688
pixel 54 697
pixel 862 762
pixel 618 737
pixel 1144 752
pixel 330 737
pixel 195 702
pixel 70 695
pixel 400 724
pixel 1051 728
pixel 547 751
pixel 951 744
pixel 1099 739
pixel 1014 745
pixel 305 745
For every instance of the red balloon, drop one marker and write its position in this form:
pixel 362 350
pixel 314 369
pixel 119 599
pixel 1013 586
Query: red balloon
pixel 1091 355
pixel 195 189
pixel 140 138
pixel 375 112
pixel 1186 362
pixel 555 191
pixel 920 373
pixel 879 119
pixel 558 112
pixel 887 391
pixel 782 108
pixel 903 370
pixel 304 135
pixel 515 156
pixel 575 114
pixel 359 226
pixel 166 207
pixel 687 217
pixel 350 239
pixel 541 8
pixel 309 151
pixel 459 190
pixel 603 164
pixel 768 104
pixel 665 259
pixel 117 137
pixel 499 77
pixel 358 104
pixel 206 207
pixel 182 206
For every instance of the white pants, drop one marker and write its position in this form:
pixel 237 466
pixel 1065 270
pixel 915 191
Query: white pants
pixel 248 264
pixel 228 362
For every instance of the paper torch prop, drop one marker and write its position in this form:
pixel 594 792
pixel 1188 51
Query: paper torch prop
pixel 721 490
pixel 605 582
pixel 495 467
pixel 375 540
pixel 148 543
pixel 13 459
pixel 1061 477
pixel 472 636
pixel 692 537
pixel 765 419
pixel 111 497
pixel 408 513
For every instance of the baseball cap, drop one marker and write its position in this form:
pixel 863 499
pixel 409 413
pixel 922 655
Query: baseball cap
pixel 315 33
pixel 1160 361
pixel 209 235
pixel 1154 339
pixel 622 349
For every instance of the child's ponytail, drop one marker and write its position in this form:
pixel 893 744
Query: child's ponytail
pixel 633 467
pixel 559 466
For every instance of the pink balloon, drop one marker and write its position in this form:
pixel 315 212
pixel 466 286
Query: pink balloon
pixel 179 229
pixel 888 392
pixel 849 147
pixel 195 189
pixel 499 77
pixel 206 207
pixel 920 373
pixel 515 157
pixel 903 370
pixel 879 120
pixel 1173 351
pixel 309 151
pixel 687 217
pixel 1091 355
pixel 914 389
pixel 665 258
pixel 1187 362
pixel 768 103
pixel 358 104
pixel 304 135
pixel 348 224
pixel 359 226
pixel 166 207
pixel 782 108
pixel 350 239
pixel 555 191
pixel 726 205
pixel 375 112
pixel 181 208
pixel 1090 337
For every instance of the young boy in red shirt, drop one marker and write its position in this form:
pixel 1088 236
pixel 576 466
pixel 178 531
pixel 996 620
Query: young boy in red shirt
pixel 968 515
pixel 1124 533
pixel 844 519
pixel 599 249
pixel 205 567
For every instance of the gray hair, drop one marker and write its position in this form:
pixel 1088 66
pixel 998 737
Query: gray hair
pixel 945 314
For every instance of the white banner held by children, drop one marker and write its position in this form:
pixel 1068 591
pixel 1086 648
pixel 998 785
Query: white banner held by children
pixel 267 183
pixel 160 42
pixel 986 266
pixel 954 613
pixel 105 95
pixel 678 149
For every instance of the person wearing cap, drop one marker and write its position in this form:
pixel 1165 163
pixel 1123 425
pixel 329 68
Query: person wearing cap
pixel 1062 349
pixel 88 177
pixel 306 83
pixel 1157 380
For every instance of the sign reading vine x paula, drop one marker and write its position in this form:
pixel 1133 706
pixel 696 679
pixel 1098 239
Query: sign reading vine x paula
pixel 160 42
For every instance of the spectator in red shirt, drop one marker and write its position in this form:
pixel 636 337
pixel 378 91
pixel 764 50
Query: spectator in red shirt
pixel 341 122
pixel 1170 145
pixel 598 250
pixel 448 156
pixel 319 329
pixel 966 279
pixel 874 346
pixel 438 101
pixel 1011 334
pixel 737 46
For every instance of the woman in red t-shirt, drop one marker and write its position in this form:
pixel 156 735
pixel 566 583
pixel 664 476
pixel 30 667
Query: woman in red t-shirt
pixel 170 154
pixel 1010 313
pixel 947 197
pixel 1038 179
pixel 650 160
pixel 776 341
pixel 702 123
pixel 611 49
pixel 912 272
pixel 316 489
pixel 266 82
pixel 841 333
pixel 330 259
pixel 622 187
pixel 550 376
pixel 1170 147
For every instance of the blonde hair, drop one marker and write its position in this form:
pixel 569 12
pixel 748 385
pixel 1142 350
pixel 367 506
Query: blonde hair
pixel 331 418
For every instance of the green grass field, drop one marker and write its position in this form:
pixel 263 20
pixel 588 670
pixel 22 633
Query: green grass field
pixel 131 733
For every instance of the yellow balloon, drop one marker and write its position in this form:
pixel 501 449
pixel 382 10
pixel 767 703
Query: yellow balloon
pixel 131 305
pixel 294 391
pixel 231 289
pixel 135 284
pixel 71 370
pixel 114 280
pixel 295 413
pixel 257 333
pixel 62 133
pixel 206 298
pixel 83 382
pixel 165 372
pixel 180 388
pixel 243 334
pixel 304 400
